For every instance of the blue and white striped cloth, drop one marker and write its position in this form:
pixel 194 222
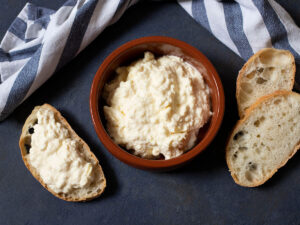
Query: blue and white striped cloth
pixel 40 41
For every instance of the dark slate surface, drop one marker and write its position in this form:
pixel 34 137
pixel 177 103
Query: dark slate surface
pixel 202 192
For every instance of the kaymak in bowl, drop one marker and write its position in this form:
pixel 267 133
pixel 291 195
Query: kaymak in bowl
pixel 155 107
pixel 156 103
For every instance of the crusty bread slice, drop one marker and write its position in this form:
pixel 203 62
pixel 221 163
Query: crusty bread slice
pixel 265 139
pixel 98 184
pixel 267 71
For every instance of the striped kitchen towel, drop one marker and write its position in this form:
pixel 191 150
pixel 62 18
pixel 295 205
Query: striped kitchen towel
pixel 40 41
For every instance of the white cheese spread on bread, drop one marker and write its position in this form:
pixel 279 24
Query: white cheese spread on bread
pixel 57 156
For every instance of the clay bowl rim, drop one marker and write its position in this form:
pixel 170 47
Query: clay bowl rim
pixel 136 161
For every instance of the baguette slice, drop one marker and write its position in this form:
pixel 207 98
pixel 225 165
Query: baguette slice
pixel 98 183
pixel 265 139
pixel 267 71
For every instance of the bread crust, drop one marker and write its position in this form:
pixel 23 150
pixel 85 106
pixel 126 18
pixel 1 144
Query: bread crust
pixel 245 67
pixel 241 121
pixel 29 121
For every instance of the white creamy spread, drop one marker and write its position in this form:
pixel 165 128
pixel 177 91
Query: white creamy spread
pixel 56 156
pixel 157 106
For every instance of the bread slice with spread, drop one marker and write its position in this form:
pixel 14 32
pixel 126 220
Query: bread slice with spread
pixel 267 71
pixel 265 139
pixel 58 158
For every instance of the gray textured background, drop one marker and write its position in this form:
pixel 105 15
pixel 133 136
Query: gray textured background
pixel 202 192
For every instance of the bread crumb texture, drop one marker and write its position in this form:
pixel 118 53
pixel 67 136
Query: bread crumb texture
pixel 266 72
pixel 265 140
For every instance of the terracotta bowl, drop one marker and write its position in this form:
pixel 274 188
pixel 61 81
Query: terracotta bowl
pixel 134 50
